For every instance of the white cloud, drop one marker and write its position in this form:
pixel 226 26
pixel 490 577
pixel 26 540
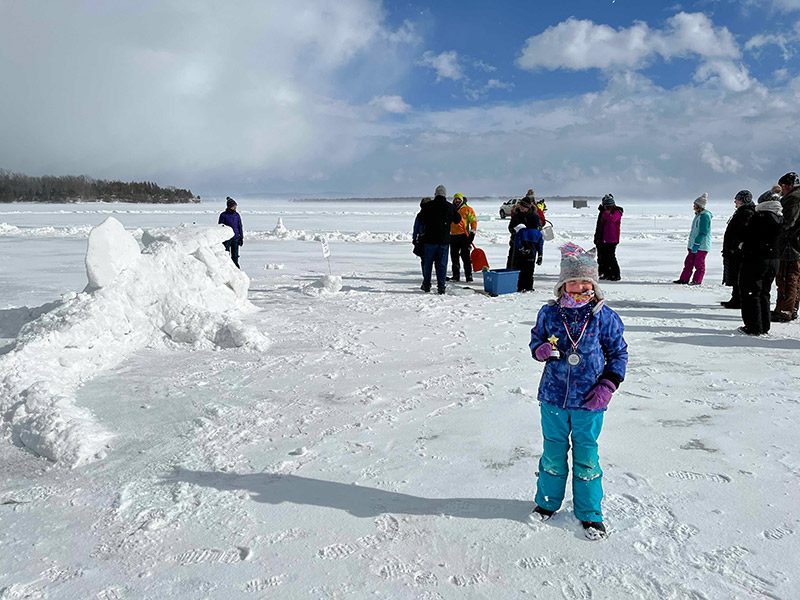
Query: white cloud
pixel 405 34
pixel 446 65
pixel 482 66
pixel 786 5
pixel 757 42
pixel 636 140
pixel 183 92
pixel 496 84
pixel 732 76
pixel 581 44
pixel 391 104
pixel 720 164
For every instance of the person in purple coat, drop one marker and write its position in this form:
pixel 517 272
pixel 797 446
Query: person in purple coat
pixel 606 238
pixel 232 219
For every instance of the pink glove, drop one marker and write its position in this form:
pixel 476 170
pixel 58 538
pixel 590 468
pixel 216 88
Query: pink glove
pixel 600 395
pixel 542 352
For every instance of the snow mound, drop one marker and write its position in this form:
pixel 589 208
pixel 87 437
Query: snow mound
pixel 109 251
pixel 180 288
pixel 327 284
pixel 280 230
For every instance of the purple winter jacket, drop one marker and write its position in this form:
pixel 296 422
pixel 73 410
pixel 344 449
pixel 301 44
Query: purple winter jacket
pixel 232 219
pixel 607 230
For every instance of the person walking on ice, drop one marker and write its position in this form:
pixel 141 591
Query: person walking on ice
pixel 581 342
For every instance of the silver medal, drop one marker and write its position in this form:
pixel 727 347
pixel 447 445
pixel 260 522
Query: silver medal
pixel 574 359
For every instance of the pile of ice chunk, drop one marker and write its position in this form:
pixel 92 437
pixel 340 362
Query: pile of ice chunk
pixel 180 287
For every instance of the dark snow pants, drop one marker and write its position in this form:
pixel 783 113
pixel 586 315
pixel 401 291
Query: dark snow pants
pixel 731 268
pixel 459 248
pixel 607 264
pixel 526 268
pixel 755 282
pixel 232 248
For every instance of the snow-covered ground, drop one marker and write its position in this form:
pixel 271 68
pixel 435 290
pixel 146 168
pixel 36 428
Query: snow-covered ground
pixel 353 438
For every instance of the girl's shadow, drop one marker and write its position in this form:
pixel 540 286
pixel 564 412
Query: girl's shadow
pixel 359 501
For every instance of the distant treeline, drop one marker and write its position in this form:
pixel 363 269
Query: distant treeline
pixel 16 187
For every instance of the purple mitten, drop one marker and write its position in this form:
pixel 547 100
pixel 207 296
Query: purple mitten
pixel 600 395
pixel 542 352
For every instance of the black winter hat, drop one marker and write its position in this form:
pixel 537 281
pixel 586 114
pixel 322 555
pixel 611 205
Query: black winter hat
pixel 744 196
pixel 768 195
pixel 791 179
pixel 230 202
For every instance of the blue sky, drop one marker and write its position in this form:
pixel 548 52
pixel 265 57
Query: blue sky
pixel 361 97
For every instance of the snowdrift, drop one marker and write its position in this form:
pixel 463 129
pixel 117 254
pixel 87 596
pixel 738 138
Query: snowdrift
pixel 179 287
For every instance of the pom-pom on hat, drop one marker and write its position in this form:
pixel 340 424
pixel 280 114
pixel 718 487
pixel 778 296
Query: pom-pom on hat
pixel 744 196
pixel 608 200
pixel 702 200
pixel 578 265
pixel 440 191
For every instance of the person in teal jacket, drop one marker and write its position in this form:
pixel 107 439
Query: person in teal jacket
pixel 699 244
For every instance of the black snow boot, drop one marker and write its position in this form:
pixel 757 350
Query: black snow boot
pixel 594 530
pixel 542 513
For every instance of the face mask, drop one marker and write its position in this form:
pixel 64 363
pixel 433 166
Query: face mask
pixel 576 300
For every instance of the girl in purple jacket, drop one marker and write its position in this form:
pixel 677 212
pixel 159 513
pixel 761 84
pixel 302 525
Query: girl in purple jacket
pixel 580 341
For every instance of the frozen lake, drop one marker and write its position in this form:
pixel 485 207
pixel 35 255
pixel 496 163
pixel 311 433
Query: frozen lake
pixel 384 444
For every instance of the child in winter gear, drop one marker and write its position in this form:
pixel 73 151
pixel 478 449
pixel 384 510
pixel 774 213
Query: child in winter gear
pixel 528 248
pixel 699 244
pixel 581 342
pixel 524 212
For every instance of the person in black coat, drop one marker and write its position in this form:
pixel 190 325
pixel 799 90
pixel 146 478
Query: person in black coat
pixel 760 257
pixel 436 217
pixel 732 245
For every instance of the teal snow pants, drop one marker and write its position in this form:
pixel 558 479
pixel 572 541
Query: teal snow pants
pixel 587 476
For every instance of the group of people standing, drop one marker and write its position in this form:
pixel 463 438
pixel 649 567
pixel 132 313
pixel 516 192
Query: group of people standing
pixel 442 228
pixel 762 245
pixel 526 245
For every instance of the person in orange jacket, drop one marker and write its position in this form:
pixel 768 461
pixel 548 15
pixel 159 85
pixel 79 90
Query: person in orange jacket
pixel 461 236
